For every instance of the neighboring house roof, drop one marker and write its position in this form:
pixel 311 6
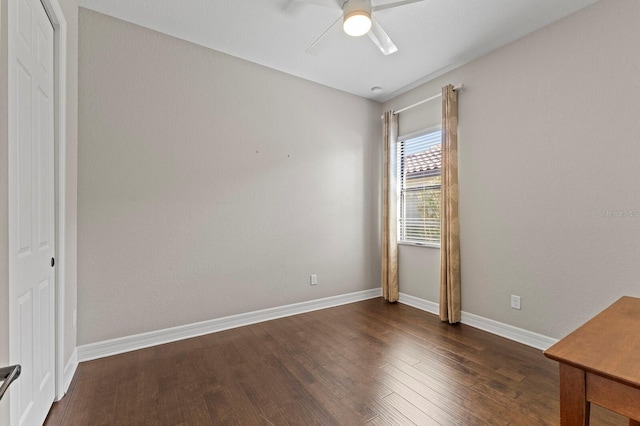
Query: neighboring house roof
pixel 425 163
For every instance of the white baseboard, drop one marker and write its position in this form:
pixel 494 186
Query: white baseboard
pixel 158 337
pixel 510 332
pixel 418 303
pixel 152 338
pixel 516 334
pixel 70 370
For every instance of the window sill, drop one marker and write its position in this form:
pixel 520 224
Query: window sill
pixel 409 243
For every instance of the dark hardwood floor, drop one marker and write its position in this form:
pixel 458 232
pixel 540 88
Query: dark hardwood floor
pixel 369 363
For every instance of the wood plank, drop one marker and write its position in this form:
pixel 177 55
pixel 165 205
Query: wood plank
pixel 412 412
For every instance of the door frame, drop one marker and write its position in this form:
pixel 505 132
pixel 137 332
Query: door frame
pixel 59 23
pixel 56 16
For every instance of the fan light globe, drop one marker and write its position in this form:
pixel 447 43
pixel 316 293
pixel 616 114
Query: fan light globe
pixel 357 23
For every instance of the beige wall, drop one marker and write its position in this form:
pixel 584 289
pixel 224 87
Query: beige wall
pixel 548 143
pixel 211 186
pixel 70 11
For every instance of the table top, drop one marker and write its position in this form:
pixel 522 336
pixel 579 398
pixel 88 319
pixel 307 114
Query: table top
pixel 607 345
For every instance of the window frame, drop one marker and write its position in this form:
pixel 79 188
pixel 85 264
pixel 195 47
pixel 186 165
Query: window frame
pixel 401 139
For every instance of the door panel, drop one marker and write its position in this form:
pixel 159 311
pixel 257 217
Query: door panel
pixel 25 23
pixel 24 129
pixel 43 367
pixel 25 334
pixel 44 162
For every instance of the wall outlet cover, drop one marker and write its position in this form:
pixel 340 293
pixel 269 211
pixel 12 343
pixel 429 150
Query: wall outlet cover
pixel 515 302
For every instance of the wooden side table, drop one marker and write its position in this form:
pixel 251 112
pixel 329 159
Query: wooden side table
pixel 600 364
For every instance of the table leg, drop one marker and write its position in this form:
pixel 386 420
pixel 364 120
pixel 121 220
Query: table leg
pixel 574 407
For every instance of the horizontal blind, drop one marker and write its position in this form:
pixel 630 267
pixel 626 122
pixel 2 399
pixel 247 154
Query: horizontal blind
pixel 420 162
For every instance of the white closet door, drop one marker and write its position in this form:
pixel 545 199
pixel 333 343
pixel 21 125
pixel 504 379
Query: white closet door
pixel 31 211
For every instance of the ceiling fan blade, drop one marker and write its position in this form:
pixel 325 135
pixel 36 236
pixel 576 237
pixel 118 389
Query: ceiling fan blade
pixel 333 4
pixel 381 38
pixel 396 4
pixel 324 39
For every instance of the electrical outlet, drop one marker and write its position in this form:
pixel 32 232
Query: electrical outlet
pixel 515 302
pixel 313 279
pixel 75 318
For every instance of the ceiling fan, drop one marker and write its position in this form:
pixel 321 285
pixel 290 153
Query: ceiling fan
pixel 357 20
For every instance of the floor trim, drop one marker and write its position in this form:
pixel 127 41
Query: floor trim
pixel 70 370
pixel 510 332
pixel 144 340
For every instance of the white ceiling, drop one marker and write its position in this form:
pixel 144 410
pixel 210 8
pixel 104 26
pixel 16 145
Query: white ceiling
pixel 433 36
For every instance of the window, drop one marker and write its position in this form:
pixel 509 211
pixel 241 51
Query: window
pixel 419 161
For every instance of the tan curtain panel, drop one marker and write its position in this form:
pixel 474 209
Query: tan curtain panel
pixel 389 209
pixel 450 228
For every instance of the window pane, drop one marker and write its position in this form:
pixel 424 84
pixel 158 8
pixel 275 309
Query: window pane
pixel 419 165
pixel 422 215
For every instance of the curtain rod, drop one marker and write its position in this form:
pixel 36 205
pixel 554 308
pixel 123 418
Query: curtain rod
pixel 439 95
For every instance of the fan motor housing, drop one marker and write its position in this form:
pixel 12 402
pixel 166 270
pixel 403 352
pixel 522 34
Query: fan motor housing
pixel 351 6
